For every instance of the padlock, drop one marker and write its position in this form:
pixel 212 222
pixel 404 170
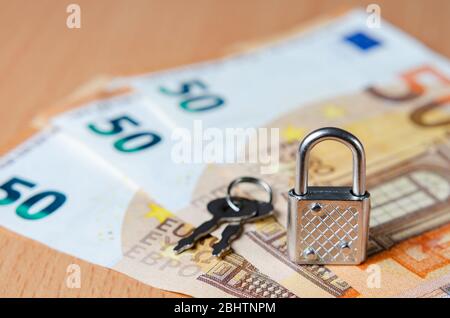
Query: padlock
pixel 328 225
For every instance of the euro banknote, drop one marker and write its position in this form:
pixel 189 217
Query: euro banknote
pixel 408 153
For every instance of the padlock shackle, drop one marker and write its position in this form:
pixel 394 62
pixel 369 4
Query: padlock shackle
pixel 331 133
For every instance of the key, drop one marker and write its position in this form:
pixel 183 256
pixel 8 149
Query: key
pixel 221 213
pixel 234 229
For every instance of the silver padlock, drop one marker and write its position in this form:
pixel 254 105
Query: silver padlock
pixel 329 225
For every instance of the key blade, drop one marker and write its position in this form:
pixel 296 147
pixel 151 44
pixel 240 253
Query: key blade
pixel 229 234
pixel 221 212
pixel 203 230
pixel 234 230
pixel 182 246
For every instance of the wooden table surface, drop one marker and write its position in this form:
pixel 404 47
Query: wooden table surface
pixel 41 61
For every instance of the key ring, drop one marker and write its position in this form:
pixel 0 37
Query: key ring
pixel 253 180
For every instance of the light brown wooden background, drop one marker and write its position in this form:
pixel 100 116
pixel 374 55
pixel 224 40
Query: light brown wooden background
pixel 41 61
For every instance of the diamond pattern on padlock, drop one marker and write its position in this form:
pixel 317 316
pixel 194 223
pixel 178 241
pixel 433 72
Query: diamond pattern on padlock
pixel 329 225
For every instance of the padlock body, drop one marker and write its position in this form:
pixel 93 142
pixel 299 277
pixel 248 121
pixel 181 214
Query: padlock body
pixel 328 225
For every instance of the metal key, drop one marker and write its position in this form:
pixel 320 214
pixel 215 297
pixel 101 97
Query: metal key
pixel 221 213
pixel 234 229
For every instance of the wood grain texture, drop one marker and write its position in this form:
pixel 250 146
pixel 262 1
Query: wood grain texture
pixel 41 61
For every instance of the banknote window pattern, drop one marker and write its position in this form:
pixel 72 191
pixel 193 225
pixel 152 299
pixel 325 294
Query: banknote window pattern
pixel 238 277
pixel 407 194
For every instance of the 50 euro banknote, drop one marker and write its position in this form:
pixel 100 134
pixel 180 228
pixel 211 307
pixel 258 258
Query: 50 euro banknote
pixel 405 131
